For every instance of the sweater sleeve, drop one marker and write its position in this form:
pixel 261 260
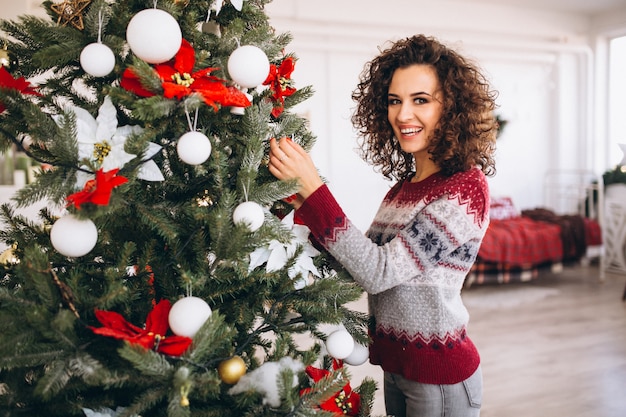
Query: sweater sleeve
pixel 442 232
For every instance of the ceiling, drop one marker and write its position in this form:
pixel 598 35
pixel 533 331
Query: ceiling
pixel 588 7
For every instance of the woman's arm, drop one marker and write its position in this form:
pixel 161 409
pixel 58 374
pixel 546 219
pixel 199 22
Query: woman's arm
pixel 441 233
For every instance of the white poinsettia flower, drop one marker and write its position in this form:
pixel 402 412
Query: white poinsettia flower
pixel 102 141
pixel 217 5
pixel 103 412
pixel 276 254
pixel 149 170
pixel 238 4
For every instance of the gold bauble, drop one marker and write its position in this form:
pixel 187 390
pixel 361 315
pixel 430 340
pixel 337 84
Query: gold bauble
pixel 231 370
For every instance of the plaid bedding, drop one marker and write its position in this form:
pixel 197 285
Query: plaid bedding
pixel 492 273
pixel 519 249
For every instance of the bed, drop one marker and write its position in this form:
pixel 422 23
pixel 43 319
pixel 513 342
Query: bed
pixel 520 245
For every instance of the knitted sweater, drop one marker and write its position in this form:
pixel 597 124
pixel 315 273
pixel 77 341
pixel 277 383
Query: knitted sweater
pixel 412 262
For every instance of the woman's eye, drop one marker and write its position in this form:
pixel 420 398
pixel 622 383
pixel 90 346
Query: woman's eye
pixel 393 101
pixel 420 100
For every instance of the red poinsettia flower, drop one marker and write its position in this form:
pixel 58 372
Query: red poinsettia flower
pixel 97 191
pixel 152 336
pixel 279 80
pixel 178 81
pixel 19 84
pixel 343 403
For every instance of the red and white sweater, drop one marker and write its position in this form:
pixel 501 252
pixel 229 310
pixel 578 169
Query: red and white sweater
pixel 412 262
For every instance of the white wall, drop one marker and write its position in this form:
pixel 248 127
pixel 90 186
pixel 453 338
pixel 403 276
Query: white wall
pixel 540 62
pixel 10 9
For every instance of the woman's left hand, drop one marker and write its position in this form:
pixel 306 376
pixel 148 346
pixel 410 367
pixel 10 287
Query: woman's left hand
pixel 289 161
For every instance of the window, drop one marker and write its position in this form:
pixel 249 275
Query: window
pixel 617 100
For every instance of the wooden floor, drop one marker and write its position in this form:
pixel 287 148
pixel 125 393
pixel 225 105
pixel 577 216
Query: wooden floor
pixel 553 347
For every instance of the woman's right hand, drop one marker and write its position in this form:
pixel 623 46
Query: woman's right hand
pixel 289 161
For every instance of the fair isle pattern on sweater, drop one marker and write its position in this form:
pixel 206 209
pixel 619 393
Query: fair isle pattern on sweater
pixel 413 262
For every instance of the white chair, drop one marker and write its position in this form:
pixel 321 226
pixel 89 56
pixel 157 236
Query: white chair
pixel 614 236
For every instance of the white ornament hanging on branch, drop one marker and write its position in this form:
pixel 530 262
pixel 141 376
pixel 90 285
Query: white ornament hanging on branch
pixel 73 237
pixel 340 344
pixel 188 315
pixel 250 214
pixel 360 355
pixel 154 36
pixel 193 148
pixel 248 66
pixel 97 59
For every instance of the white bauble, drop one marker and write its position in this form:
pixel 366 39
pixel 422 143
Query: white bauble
pixel 188 315
pixel 250 214
pixel 154 36
pixel 340 344
pixel 97 59
pixel 248 66
pixel 193 148
pixel 360 354
pixel 73 237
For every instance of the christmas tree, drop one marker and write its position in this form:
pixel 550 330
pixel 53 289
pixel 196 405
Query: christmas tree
pixel 166 275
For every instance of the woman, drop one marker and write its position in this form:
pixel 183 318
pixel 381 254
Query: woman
pixel 426 118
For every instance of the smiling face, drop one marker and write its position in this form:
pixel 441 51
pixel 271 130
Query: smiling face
pixel 414 106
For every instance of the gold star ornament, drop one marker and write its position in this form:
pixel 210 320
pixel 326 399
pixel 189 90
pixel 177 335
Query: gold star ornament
pixel 71 12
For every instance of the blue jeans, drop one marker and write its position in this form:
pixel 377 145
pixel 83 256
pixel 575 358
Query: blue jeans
pixel 404 398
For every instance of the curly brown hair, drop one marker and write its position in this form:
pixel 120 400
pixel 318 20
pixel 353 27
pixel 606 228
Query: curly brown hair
pixel 466 133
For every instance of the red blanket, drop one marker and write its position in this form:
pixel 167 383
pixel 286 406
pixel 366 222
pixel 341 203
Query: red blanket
pixel 573 234
pixel 521 242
